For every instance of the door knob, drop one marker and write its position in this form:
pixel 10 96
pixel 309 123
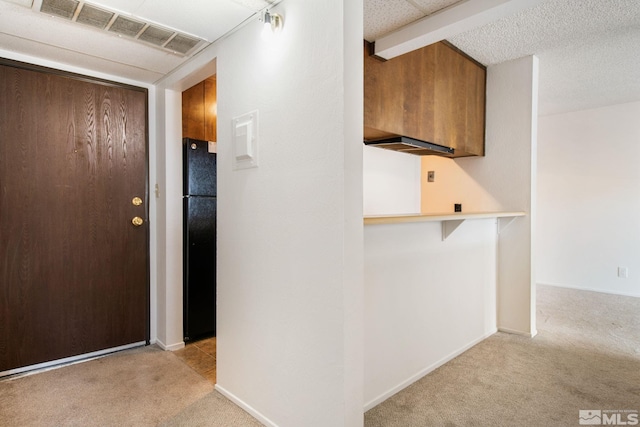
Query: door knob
pixel 137 221
pixel 136 201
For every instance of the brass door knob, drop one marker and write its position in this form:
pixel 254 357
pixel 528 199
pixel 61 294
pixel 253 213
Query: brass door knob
pixel 136 201
pixel 137 221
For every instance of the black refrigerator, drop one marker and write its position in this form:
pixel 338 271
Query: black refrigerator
pixel 199 204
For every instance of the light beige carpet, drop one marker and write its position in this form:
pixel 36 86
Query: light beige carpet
pixel 140 387
pixel 586 356
pixel 214 410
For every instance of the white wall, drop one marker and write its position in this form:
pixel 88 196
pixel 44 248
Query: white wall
pixel 290 337
pixel 284 226
pixel 391 182
pixel 503 180
pixel 589 199
pixel 453 184
pixel 426 300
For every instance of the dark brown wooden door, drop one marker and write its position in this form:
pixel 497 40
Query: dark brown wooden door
pixel 73 267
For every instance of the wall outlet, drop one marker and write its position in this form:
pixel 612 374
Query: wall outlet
pixel 623 272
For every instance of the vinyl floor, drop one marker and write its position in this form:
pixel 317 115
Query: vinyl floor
pixel 201 357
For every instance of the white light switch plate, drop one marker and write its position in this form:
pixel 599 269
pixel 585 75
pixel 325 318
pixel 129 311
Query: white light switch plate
pixel 245 141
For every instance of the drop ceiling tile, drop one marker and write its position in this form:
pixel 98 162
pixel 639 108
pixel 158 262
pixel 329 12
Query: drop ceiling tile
pixel 76 59
pixel 384 16
pixel 255 5
pixel 127 6
pixel 26 3
pixel 207 19
pixel 57 34
pixel 432 6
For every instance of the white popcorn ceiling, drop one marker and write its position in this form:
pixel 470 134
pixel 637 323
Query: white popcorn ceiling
pixel 384 16
pixel 589 50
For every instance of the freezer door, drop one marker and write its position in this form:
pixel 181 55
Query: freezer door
pixel 199 267
pixel 199 168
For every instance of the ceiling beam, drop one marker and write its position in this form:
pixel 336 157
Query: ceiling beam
pixel 458 18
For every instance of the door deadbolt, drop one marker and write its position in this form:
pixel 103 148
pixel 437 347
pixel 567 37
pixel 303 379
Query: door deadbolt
pixel 136 201
pixel 137 221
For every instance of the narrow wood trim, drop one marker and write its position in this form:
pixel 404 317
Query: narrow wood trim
pixel 370 49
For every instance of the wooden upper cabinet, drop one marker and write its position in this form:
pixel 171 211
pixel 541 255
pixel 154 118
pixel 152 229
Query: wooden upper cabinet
pixel 210 110
pixel 193 112
pixel 434 94
pixel 199 113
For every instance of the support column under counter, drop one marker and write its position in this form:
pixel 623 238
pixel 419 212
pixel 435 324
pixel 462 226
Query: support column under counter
pixel 426 300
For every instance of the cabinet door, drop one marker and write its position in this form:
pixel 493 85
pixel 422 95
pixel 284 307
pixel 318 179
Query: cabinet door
pixel 210 110
pixel 383 98
pixel 435 94
pixel 193 112
pixel 199 112
pixel 459 102
pixel 417 79
pixel 475 76
pixel 398 95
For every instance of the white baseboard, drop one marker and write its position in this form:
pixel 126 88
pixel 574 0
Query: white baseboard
pixel 406 383
pixel 581 288
pixel 172 347
pixel 248 408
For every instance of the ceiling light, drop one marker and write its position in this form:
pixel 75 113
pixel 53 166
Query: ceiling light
pixel 272 23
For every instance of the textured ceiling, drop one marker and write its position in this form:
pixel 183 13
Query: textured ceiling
pixel 589 50
pixel 384 16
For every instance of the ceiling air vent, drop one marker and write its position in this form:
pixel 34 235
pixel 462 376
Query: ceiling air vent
pixel 155 35
pixel 91 15
pixel 182 44
pixel 62 8
pixel 126 26
pixel 115 23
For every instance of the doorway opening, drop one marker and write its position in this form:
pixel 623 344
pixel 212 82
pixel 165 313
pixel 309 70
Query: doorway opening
pixel 199 176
